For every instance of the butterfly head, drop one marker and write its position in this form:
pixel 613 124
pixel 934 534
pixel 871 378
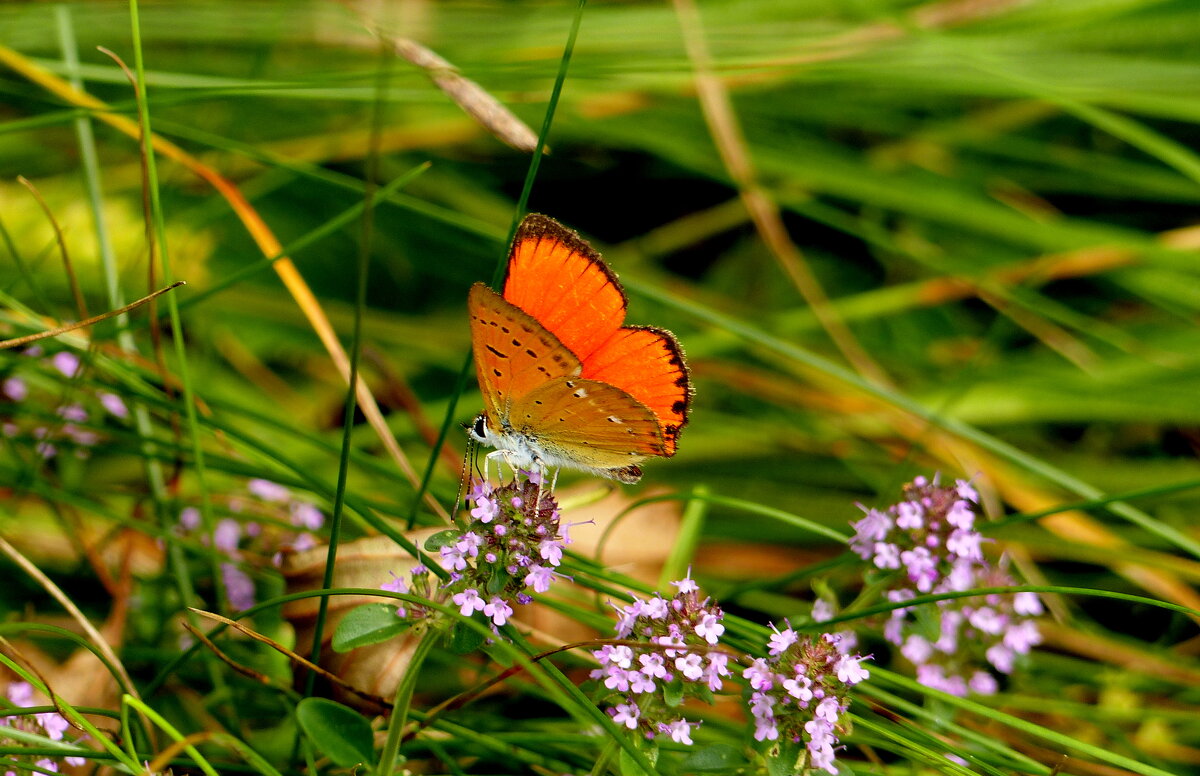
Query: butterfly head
pixel 479 431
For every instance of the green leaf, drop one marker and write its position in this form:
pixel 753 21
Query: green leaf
pixel 673 692
pixel 630 767
pixel 497 581
pixel 336 731
pixel 785 758
pixel 463 639
pixel 366 625
pixel 442 539
pixel 718 757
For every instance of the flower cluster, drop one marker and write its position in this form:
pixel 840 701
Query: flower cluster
pixel 799 692
pixel 931 538
pixel 680 637
pixel 419 584
pixel 50 724
pixel 276 519
pixel 75 423
pixel 513 544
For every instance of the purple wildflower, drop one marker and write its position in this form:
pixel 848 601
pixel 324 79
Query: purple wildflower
pixel 114 404
pixel 679 635
pixel 14 388
pixel 499 610
pixel 66 362
pixel 516 534
pixel 226 535
pixel 189 519
pixel 271 492
pixel 468 602
pixel 73 413
pixel 305 515
pixel 933 540
pixel 239 588
pixel 799 693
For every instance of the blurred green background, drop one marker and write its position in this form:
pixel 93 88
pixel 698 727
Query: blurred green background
pixel 997 198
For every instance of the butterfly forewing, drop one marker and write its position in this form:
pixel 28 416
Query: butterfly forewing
pixel 514 354
pixel 590 423
pixel 648 364
pixel 557 278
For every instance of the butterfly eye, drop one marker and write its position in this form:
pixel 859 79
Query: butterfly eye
pixel 479 430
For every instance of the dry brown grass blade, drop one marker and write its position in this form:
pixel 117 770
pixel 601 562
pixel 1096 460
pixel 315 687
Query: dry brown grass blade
pixel 163 760
pixel 1051 335
pixel 73 281
pixel 487 111
pixel 731 144
pixel 262 235
pixel 244 670
pixel 275 645
pixel 17 342
pixel 468 95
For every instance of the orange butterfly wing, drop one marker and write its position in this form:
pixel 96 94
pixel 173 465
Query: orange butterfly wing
pixel 514 354
pixel 592 423
pixel 558 279
pixel 647 364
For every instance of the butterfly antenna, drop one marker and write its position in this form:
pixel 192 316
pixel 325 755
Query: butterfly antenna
pixel 464 476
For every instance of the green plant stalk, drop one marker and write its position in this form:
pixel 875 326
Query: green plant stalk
pixel 170 730
pixel 108 262
pixel 1005 590
pixel 127 730
pixel 992 743
pixel 253 758
pixel 189 395
pixel 464 371
pixel 909 747
pixel 679 561
pixel 360 302
pixel 23 269
pixel 185 378
pixel 77 719
pixel 63 633
pixel 401 703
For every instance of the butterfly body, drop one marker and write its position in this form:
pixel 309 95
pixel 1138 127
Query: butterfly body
pixel 564 383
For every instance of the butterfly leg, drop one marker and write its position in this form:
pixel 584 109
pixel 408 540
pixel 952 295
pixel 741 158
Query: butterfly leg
pixel 487 459
pixel 542 480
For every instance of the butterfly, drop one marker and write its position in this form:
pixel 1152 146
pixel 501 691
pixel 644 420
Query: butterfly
pixel 564 382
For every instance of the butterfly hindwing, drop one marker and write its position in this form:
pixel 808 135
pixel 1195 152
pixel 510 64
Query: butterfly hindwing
pixel 648 364
pixel 556 277
pixel 589 424
pixel 514 354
